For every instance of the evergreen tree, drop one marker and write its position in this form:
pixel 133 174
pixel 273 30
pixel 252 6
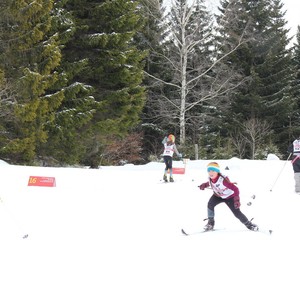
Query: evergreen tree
pixel 29 60
pixel 151 40
pixel 264 60
pixel 72 118
pixel 276 75
pixel 294 117
pixel 104 37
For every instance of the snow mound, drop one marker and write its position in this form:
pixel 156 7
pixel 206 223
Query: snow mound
pixel 272 157
pixel 3 163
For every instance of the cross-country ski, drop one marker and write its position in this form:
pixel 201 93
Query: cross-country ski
pixel 186 233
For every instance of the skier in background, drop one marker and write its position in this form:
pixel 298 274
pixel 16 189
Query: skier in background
pixel 294 149
pixel 224 191
pixel 169 149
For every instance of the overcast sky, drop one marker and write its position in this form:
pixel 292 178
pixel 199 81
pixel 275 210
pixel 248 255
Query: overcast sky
pixel 292 8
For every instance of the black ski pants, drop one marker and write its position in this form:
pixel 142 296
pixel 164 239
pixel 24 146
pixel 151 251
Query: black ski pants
pixel 168 162
pixel 215 200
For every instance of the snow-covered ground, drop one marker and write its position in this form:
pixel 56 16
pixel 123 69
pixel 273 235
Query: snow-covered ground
pixel 115 233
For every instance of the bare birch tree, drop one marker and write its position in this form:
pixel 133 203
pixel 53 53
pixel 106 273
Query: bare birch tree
pixel 256 132
pixel 198 74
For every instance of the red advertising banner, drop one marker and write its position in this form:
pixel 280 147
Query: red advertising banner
pixel 41 181
pixel 178 170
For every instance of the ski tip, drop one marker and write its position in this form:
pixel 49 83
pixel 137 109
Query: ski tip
pixel 183 232
pixel 25 236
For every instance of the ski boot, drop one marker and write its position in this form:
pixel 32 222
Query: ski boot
pixel 165 178
pixel 251 226
pixel 171 179
pixel 210 224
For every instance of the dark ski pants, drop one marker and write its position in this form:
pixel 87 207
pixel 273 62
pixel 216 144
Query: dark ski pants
pixel 168 162
pixel 215 200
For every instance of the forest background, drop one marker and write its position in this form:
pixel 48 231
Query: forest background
pixel 102 82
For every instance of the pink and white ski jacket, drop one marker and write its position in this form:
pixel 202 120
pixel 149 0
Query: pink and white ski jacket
pixel 223 188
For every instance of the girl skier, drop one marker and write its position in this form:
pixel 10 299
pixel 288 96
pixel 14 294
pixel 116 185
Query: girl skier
pixel 169 149
pixel 224 192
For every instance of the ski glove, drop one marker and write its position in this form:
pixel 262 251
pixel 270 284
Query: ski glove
pixel 236 201
pixel 203 186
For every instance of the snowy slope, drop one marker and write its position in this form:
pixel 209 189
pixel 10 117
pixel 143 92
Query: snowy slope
pixel 114 233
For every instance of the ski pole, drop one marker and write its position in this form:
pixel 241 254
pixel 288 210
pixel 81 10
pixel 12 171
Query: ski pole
pixel 24 235
pixel 280 172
